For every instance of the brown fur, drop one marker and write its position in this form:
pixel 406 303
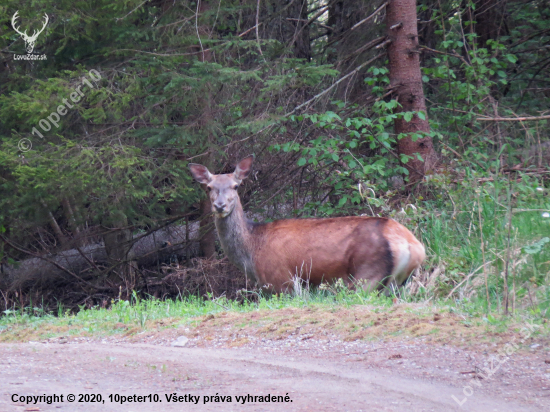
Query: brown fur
pixel 375 251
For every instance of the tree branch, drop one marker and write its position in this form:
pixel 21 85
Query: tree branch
pixel 334 84
pixel 512 119
pixel 311 20
pixel 370 17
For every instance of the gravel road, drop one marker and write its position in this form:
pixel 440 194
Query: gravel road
pixel 313 380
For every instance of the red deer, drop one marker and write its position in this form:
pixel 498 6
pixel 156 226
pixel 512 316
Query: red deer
pixel 374 251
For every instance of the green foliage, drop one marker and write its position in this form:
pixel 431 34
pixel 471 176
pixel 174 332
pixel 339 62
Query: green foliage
pixel 178 87
pixel 536 247
pixel 340 145
pixel 157 102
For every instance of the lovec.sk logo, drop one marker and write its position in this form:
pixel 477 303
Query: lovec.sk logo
pixel 30 41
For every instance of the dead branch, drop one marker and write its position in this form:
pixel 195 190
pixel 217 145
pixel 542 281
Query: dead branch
pixel 370 17
pixel 512 119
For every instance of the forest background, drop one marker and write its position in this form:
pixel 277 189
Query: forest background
pixel 346 109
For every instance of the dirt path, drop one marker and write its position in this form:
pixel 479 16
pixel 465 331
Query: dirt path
pixel 362 380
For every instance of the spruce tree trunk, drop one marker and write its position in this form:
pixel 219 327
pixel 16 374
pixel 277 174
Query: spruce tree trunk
pixel 206 122
pixel 490 20
pixel 118 245
pixel 54 225
pixel 302 46
pixel 207 236
pixel 207 240
pixel 406 80
pixel 286 21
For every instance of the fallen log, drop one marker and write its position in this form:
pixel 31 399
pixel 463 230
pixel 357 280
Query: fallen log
pixel 88 262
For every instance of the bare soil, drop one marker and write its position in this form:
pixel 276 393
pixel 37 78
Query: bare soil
pixel 292 352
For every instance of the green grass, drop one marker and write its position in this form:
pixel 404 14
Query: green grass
pixel 138 311
pixel 137 315
pixel 509 217
pixel 451 222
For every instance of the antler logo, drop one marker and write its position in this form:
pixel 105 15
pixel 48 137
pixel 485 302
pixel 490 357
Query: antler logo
pixel 30 41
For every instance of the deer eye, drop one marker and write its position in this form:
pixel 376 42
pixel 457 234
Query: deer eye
pixel 235 187
pixel 208 188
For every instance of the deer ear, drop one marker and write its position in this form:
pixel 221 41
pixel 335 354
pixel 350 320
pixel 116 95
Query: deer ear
pixel 243 168
pixel 200 173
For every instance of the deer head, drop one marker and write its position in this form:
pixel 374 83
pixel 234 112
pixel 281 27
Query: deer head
pixel 222 189
pixel 30 41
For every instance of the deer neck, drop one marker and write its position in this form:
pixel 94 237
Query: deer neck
pixel 235 232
